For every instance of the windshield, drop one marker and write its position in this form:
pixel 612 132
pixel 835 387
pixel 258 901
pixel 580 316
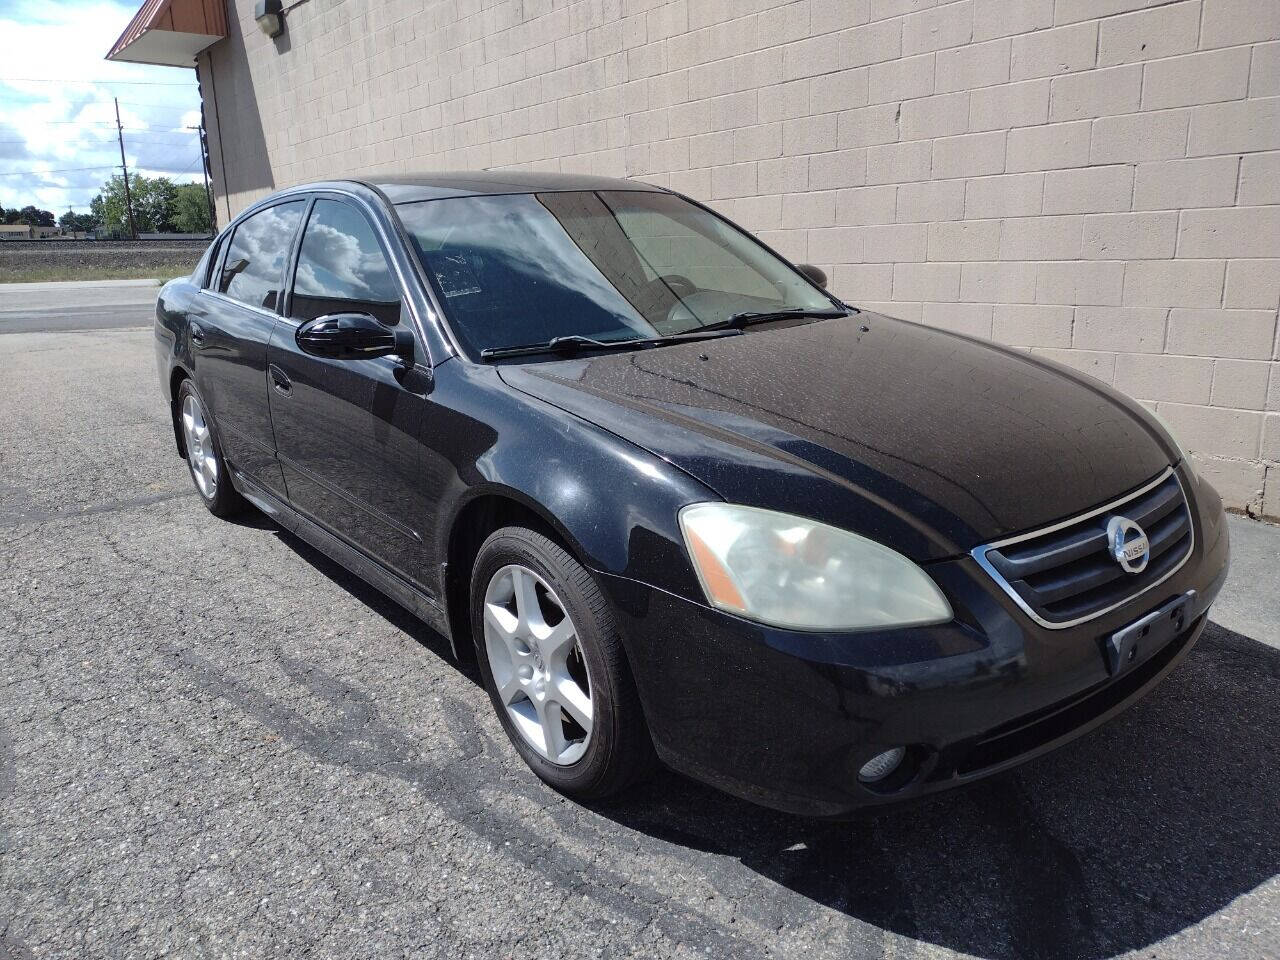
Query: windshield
pixel 611 265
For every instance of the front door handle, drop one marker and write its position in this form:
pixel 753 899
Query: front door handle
pixel 279 380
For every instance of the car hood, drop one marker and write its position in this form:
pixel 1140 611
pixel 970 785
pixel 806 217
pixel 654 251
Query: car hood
pixel 927 441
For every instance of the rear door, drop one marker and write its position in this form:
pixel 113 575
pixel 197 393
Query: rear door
pixel 230 329
pixel 347 431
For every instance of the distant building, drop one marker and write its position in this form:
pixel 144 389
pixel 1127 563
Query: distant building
pixel 21 231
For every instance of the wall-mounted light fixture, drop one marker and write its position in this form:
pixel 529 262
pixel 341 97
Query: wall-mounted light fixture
pixel 269 15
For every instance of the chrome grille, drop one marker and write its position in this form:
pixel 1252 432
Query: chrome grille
pixel 1064 574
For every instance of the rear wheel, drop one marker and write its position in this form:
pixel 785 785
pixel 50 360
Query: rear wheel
pixel 204 454
pixel 554 666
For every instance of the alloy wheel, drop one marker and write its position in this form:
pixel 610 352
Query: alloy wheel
pixel 204 463
pixel 538 668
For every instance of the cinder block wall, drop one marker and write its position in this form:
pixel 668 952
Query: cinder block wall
pixel 1095 180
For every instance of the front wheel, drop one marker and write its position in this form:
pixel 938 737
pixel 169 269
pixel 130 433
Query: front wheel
pixel 554 666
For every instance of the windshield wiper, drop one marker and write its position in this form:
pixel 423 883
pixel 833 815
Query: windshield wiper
pixel 566 344
pixel 574 343
pixel 748 317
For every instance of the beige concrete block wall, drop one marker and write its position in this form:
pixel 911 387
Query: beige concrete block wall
pixel 1097 181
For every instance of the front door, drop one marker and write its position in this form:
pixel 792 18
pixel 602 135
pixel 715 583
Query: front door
pixel 231 324
pixel 347 431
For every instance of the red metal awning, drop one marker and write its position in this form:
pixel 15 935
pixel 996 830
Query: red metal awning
pixel 171 32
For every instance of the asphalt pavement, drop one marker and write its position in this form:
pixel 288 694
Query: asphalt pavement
pixel 90 305
pixel 214 742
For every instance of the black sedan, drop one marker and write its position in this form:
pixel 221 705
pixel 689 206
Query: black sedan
pixel 681 503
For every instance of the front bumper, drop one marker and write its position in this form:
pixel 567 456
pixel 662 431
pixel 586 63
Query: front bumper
pixel 787 719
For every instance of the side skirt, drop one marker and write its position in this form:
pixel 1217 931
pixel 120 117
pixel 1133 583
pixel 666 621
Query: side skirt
pixel 342 553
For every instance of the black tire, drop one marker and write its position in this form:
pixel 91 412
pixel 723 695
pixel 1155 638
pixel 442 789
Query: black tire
pixel 619 751
pixel 225 501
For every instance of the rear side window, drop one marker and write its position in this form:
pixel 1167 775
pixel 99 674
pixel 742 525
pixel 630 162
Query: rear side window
pixel 205 268
pixel 254 264
pixel 341 267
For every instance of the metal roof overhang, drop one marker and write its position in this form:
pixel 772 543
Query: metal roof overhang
pixel 171 32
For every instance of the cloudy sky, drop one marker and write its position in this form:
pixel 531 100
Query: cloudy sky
pixel 57 120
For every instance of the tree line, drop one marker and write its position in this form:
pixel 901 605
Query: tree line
pixel 159 206
pixel 30 215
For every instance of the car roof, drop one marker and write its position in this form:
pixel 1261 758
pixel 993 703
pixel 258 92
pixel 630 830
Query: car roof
pixel 411 188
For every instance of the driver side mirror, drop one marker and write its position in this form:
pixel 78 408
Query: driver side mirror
pixel 353 336
pixel 815 274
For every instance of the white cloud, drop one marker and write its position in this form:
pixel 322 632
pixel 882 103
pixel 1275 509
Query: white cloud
pixel 341 259
pixel 51 131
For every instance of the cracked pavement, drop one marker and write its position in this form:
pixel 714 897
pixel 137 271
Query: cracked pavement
pixel 215 742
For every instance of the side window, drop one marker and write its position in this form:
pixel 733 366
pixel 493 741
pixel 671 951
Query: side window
pixel 341 268
pixel 254 264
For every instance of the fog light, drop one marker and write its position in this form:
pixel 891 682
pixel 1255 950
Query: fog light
pixel 881 765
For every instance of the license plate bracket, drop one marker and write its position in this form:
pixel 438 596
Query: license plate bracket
pixel 1136 642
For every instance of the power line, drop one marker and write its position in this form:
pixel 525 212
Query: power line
pixel 29 95
pixel 157 105
pixel 102 123
pixel 106 144
pixel 113 166
pixel 101 83
pixel 87 123
pixel 147 134
pixel 25 173
pixel 152 104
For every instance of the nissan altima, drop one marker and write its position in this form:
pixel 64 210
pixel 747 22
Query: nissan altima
pixel 680 503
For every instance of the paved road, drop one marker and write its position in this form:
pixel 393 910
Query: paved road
pixel 88 305
pixel 214 742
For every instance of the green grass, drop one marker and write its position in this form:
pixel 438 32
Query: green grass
pixel 46 273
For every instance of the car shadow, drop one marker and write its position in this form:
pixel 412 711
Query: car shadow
pixel 253 519
pixel 370 596
pixel 1127 837
pixel 1130 835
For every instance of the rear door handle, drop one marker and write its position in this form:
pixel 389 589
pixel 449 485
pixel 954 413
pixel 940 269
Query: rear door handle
pixel 279 380
pixel 197 335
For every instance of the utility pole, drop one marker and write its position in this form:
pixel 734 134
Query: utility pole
pixel 128 202
pixel 204 169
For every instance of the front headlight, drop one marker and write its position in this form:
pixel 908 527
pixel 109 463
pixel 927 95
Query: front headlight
pixel 797 573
